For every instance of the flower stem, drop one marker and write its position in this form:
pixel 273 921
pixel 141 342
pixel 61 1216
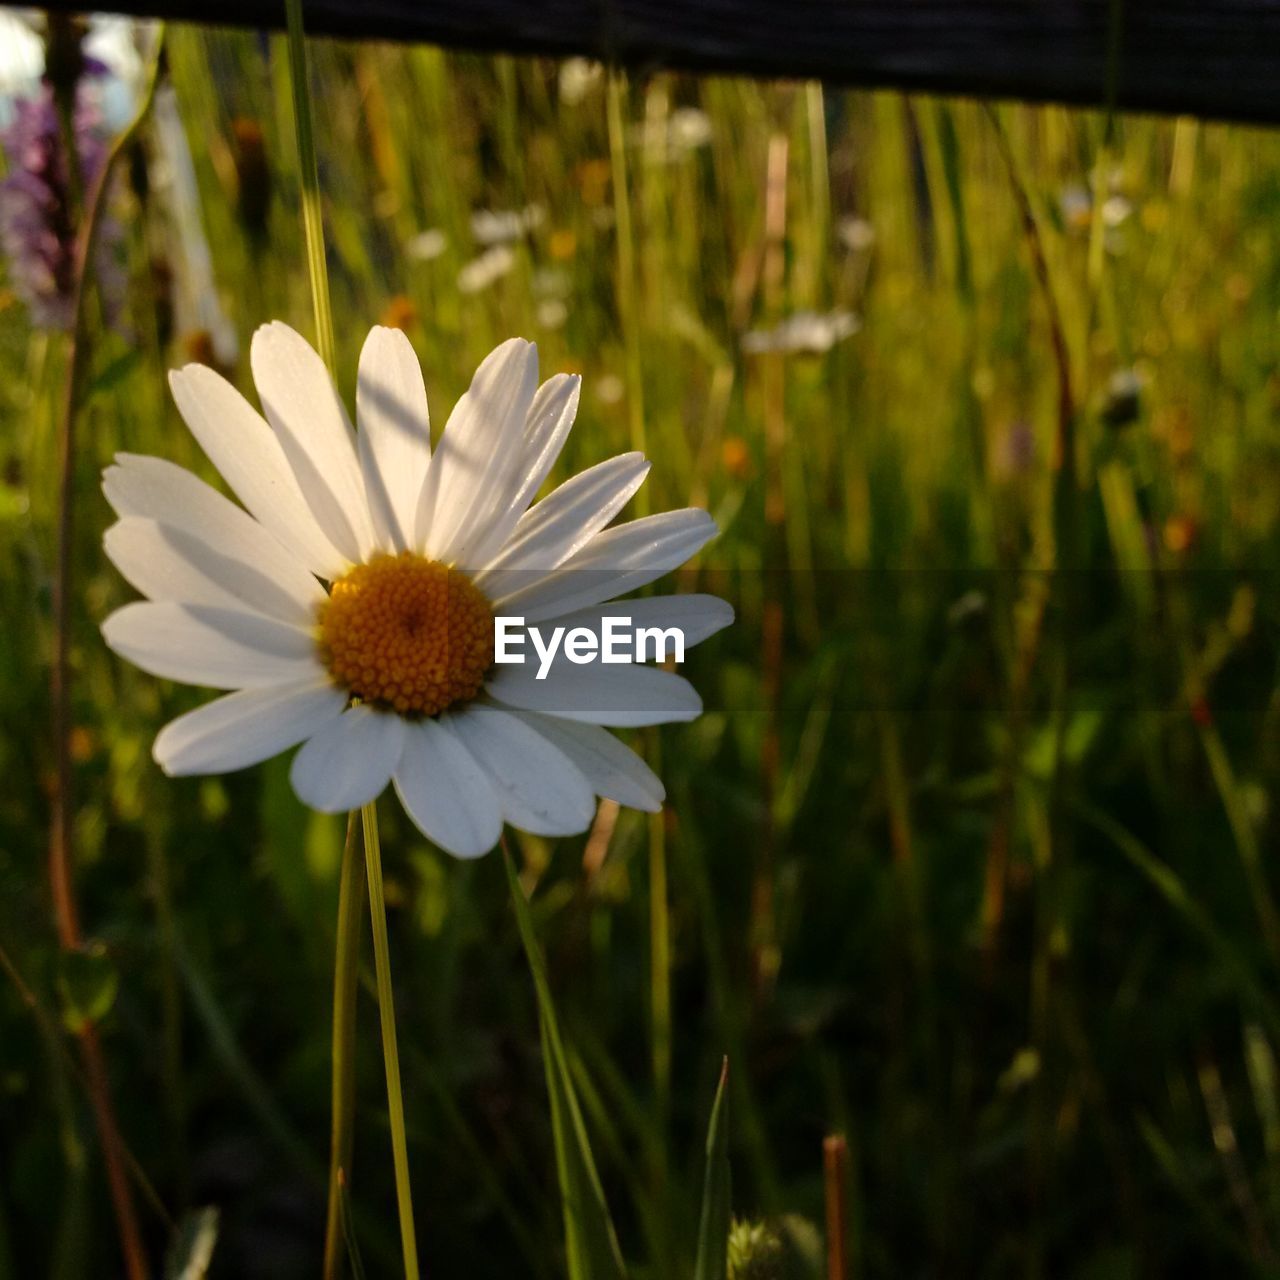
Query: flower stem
pixel 346 972
pixel 62 822
pixel 312 220
pixel 390 1054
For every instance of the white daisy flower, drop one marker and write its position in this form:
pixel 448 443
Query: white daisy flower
pixel 350 604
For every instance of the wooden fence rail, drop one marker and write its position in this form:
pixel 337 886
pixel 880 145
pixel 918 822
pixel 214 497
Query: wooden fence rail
pixel 1214 58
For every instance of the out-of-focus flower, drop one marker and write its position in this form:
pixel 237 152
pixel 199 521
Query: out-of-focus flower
pixel 1116 210
pixel 856 234
pixel 578 77
pixel 1122 401
pixel 806 331
pixel 1180 533
pixel 501 226
pixel 562 245
pixel 389 676
pixel 427 245
pixel 688 129
pixel 551 313
pixel 1076 205
pixel 253 175
pixel 400 313
pixel 38 212
pixel 735 454
pixel 610 389
pixel 481 272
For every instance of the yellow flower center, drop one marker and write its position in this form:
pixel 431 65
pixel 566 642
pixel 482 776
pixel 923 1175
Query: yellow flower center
pixel 406 633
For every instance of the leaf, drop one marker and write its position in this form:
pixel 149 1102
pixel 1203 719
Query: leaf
pixel 591 1244
pixel 192 1249
pixel 713 1230
pixel 87 983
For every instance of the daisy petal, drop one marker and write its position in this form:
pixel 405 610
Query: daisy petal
pixel 478 463
pixel 446 793
pixel 206 645
pixel 563 523
pixel 247 454
pixel 245 728
pixel 309 419
pixel 349 761
pixel 546 428
pixel 616 561
pixel 395 434
pixel 622 696
pixel 249 568
pixel 697 617
pixel 611 768
pixel 539 787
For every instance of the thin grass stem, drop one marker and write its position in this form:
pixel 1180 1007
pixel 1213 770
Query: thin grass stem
pixel 346 973
pixel 390 1053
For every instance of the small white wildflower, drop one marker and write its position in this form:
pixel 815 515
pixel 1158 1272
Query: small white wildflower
pixel 1116 210
pixel 609 390
pixel 481 272
pixel 578 76
pixel 856 233
pixel 689 129
pixel 805 331
pixel 501 226
pixel 551 313
pixel 427 245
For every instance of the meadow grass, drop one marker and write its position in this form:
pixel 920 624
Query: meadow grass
pixel 969 858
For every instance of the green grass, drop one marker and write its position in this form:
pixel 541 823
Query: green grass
pixel 971 856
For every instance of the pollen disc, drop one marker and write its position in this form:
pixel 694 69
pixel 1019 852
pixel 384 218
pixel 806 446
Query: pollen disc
pixel 407 634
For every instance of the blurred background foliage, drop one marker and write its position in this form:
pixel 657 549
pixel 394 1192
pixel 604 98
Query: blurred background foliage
pixel 971 858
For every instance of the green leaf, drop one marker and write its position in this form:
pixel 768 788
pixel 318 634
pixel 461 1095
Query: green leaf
pixel 591 1244
pixel 192 1249
pixel 713 1230
pixel 87 983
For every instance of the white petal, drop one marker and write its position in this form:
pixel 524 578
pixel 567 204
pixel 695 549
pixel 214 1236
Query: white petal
pixel 611 767
pixel 309 419
pixel 349 761
pixel 697 616
pixel 244 728
pixel 446 793
pixel 616 561
pixel 546 427
pixel 395 434
pixel 247 454
pixel 478 463
pixel 238 565
pixel 563 523
pixel 205 645
pixel 622 696
pixel 539 787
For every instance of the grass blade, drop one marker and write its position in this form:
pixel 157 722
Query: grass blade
pixel 591 1244
pixel 713 1230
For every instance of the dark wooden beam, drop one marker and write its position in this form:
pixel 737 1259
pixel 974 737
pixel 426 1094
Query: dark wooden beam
pixel 1214 58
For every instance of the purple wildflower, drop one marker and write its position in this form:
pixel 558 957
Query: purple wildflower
pixel 37 210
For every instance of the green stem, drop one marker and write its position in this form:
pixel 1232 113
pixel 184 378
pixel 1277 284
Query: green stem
pixel 346 973
pixel 390 1054
pixel 312 221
